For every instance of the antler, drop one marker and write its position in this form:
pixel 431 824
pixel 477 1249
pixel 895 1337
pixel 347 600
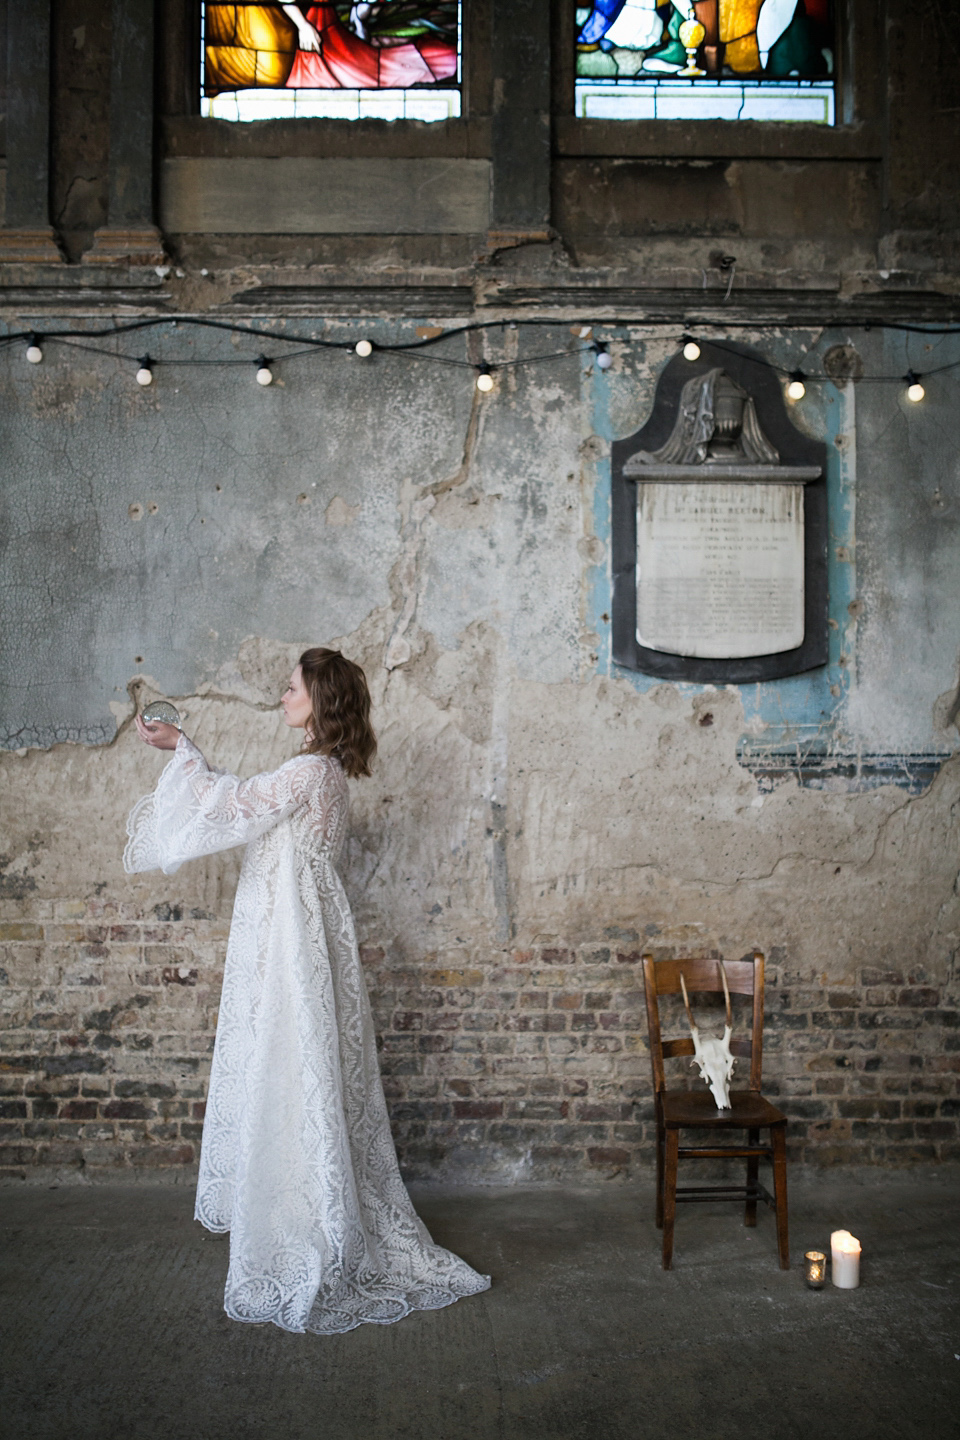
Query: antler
pixel 686 1004
pixel 726 991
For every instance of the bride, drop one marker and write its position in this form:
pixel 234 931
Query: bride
pixel 297 1160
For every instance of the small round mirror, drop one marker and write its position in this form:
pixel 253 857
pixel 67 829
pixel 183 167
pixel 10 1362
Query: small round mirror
pixel 161 713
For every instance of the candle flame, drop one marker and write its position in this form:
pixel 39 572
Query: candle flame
pixel 846 1243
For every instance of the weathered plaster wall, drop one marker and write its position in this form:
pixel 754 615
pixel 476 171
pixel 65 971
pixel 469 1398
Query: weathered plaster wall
pixel 537 817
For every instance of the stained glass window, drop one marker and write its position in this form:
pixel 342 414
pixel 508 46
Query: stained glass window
pixel 390 59
pixel 706 60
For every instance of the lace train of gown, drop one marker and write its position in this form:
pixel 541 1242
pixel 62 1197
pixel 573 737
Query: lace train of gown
pixel 297 1159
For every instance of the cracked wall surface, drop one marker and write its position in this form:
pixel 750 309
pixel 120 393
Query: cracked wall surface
pixel 537 818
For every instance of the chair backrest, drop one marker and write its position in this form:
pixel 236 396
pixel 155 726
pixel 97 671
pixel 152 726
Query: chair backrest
pixel 702 976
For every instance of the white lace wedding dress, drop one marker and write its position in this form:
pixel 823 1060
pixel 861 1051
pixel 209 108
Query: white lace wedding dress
pixel 297 1159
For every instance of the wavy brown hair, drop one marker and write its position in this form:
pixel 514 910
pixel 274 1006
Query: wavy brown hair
pixel 340 725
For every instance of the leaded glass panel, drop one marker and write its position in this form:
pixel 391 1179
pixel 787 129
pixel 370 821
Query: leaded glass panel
pixel 382 58
pixel 706 59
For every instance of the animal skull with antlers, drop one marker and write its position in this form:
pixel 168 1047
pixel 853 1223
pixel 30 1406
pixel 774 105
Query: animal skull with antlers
pixel 709 1052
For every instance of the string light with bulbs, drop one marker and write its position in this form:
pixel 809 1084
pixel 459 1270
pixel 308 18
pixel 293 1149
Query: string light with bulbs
pixel 796 380
pixel 915 391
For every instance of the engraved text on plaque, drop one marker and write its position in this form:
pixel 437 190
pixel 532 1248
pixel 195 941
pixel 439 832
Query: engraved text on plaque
pixel 720 567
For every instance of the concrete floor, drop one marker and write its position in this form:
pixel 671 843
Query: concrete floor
pixel 111 1324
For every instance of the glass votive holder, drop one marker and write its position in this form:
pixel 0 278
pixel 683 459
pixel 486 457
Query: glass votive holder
pixel 162 711
pixel 815 1269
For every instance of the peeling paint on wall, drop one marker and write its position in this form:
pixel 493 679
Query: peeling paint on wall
pixel 537 816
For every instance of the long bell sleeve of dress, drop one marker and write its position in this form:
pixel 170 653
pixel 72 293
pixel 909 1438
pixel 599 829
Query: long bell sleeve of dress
pixel 197 811
pixel 297 1160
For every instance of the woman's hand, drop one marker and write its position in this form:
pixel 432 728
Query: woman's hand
pixel 309 36
pixel 160 736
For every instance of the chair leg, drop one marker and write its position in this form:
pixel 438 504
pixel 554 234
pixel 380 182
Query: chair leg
pixel 753 1171
pixel 670 1195
pixel 779 1138
pixel 659 1176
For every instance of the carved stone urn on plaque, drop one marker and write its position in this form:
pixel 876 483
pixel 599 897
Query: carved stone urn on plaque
pixel 719 529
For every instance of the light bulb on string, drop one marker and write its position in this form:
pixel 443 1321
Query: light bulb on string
pixel 145 372
pixel 364 348
pixel 484 379
pixel 915 390
pixel 796 389
pixel 264 373
pixel 691 350
pixel 33 352
pixel 604 358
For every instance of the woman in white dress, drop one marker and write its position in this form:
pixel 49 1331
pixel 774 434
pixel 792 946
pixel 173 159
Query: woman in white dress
pixel 297 1160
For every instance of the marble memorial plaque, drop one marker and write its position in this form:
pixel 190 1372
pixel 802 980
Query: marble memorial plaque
pixel 720 568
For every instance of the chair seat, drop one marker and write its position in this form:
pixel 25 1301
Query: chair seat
pixel 748 1109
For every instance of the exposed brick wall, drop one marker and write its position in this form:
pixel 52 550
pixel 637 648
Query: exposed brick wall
pixel 528 1063
pixel 108 1025
pixel 538 1059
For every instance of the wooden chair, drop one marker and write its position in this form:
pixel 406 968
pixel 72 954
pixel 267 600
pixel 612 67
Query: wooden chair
pixel 681 1109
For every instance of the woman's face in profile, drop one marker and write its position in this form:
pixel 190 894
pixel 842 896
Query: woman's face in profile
pixel 297 708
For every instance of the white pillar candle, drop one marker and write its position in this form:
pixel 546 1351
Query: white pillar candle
pixel 845 1260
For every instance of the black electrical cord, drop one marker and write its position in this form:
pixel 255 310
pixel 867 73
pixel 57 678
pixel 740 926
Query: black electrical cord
pixel 414 349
